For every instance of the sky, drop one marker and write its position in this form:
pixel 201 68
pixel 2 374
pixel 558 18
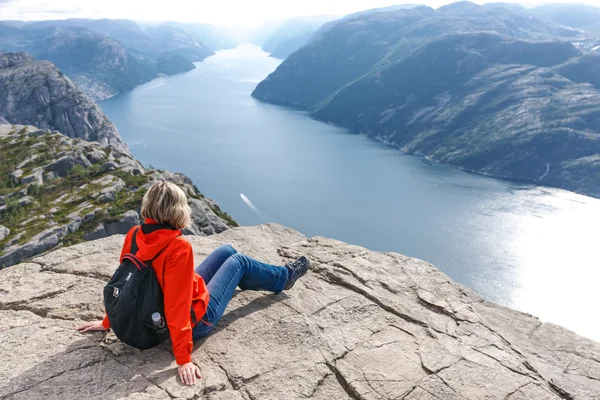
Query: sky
pixel 217 12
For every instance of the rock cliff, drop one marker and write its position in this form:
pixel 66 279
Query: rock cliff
pixel 56 190
pixel 37 93
pixel 484 89
pixel 360 325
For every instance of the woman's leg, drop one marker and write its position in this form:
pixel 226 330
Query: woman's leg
pixel 240 270
pixel 209 267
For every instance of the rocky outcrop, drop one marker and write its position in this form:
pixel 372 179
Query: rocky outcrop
pixel 360 325
pixel 37 93
pixel 56 190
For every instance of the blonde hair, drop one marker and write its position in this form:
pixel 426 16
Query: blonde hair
pixel 166 203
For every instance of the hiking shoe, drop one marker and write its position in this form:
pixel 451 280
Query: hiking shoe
pixel 296 270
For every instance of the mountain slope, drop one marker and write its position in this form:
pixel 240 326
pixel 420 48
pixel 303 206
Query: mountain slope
pixel 489 104
pixel 56 190
pixel 37 93
pixel 106 57
pixel 351 48
pixel 513 103
pixel 293 34
pixel 75 179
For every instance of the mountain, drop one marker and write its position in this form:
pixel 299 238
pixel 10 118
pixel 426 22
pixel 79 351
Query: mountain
pixel 501 98
pixel 56 190
pixel 106 57
pixel 293 34
pixel 353 46
pixel 574 15
pixel 37 93
pixel 65 173
pixel 213 37
pixel 97 62
pixel 326 27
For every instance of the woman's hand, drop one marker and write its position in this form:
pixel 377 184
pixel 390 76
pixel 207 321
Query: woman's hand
pixel 188 373
pixel 91 326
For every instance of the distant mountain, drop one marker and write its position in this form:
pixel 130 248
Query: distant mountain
pixel 293 34
pixel 326 27
pixel 105 57
pixel 513 7
pixel 37 93
pixel 213 37
pixel 508 96
pixel 575 15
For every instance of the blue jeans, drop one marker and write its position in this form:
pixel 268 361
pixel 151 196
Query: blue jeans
pixel 225 269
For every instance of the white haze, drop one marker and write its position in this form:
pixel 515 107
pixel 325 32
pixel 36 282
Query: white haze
pixel 222 12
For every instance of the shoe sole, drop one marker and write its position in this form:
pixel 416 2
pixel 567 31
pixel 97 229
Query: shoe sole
pixel 304 273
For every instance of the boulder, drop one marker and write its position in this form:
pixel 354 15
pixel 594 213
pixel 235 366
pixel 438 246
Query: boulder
pixel 128 220
pixel 18 194
pixel 89 216
pixel 97 233
pixel 25 201
pixel 204 220
pixel 109 166
pixel 63 165
pixel 37 178
pixel 95 156
pixel 4 232
pixel 360 325
pixel 41 242
pixel 16 175
pixel 50 175
pixel 108 193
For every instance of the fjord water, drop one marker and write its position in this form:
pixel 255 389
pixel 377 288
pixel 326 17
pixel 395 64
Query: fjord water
pixel 531 248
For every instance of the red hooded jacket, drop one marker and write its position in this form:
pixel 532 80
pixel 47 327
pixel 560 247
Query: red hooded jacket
pixel 184 291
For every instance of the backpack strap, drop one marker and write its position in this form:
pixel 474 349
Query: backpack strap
pixel 134 248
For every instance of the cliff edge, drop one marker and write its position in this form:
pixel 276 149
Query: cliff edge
pixel 37 93
pixel 361 325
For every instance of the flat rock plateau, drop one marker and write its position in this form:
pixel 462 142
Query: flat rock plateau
pixel 360 325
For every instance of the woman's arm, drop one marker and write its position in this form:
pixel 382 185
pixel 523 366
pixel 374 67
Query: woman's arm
pixel 91 326
pixel 178 286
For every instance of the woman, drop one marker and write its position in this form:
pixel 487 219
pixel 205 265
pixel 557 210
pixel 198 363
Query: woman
pixel 207 289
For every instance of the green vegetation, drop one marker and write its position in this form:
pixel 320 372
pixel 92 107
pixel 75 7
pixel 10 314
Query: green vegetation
pixel 60 200
pixel 222 214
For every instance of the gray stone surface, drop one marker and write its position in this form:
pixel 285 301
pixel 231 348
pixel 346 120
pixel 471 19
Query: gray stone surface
pixel 204 220
pixel 63 165
pixel 16 175
pixel 109 166
pixel 360 325
pixel 97 233
pixel 25 201
pixel 128 220
pixel 36 177
pixel 4 232
pixel 86 200
pixel 95 156
pixel 37 93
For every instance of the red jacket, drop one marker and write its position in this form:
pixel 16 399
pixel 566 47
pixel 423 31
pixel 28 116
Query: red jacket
pixel 183 289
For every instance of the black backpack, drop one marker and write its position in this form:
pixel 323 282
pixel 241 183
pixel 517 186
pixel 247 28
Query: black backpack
pixel 131 297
